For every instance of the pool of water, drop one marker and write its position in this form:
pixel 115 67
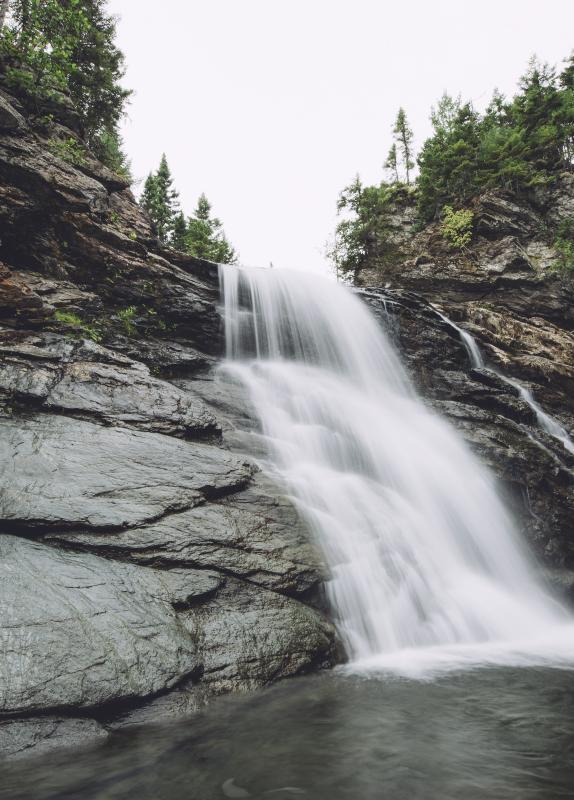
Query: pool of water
pixel 490 733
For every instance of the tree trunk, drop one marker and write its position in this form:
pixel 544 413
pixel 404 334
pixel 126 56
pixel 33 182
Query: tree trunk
pixel 4 5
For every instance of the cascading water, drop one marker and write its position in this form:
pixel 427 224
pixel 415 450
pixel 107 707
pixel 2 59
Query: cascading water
pixel 545 421
pixel 423 557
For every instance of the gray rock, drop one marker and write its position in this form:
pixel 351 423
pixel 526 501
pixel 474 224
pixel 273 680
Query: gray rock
pixel 255 535
pixel 22 738
pixel 249 637
pixel 10 119
pixel 118 391
pixel 79 631
pixel 58 471
pixel 36 166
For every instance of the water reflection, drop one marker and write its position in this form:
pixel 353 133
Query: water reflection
pixel 492 733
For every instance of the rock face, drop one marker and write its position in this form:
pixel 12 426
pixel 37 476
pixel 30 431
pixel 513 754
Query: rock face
pixel 98 631
pixel 504 290
pixel 146 563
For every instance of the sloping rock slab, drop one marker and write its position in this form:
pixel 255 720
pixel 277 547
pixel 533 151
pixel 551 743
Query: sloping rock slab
pixel 58 471
pixel 255 535
pixel 79 630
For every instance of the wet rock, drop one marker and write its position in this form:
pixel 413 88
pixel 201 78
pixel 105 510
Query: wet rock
pixel 79 630
pixel 22 738
pixel 536 473
pixel 116 390
pixel 89 477
pixel 497 213
pixel 255 535
pixel 249 638
pixel 23 159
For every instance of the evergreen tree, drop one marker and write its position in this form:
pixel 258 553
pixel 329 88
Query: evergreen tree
pixel 52 46
pixel 391 164
pixel 205 235
pixel 179 233
pixel 404 140
pixel 363 234
pixel 160 200
pixel 94 83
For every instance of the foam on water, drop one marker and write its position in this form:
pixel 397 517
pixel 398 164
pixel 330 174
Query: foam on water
pixel 427 570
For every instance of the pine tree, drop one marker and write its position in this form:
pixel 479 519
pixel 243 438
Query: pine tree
pixel 179 233
pixel 391 164
pixel 404 139
pixel 68 47
pixel 205 236
pixel 94 83
pixel 160 200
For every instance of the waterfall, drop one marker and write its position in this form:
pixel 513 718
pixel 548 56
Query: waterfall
pixel 544 420
pixel 423 557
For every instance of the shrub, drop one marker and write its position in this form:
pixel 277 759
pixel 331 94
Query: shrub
pixel 71 320
pixel 456 226
pixel 126 317
pixel 70 150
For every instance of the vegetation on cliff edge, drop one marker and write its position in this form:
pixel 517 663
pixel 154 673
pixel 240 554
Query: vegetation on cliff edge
pixel 51 48
pixel 514 145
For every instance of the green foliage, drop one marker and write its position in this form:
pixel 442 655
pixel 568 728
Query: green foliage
pixel 107 146
pixel 205 237
pixel 457 226
pixel 179 234
pixel 39 43
pixel 392 164
pixel 126 316
pixel 364 231
pixel 200 235
pixel 514 145
pixel 67 46
pixel 70 150
pixel 404 142
pixel 72 320
pixel 564 245
pixel 160 200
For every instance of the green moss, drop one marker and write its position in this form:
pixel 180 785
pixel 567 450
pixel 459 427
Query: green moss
pixel 71 320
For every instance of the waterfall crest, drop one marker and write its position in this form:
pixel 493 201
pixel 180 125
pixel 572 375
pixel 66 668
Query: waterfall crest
pixel 422 554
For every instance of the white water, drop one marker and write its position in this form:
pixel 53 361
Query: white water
pixel 544 420
pixel 427 569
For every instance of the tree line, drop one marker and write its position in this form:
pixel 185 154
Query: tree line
pixel 516 144
pixel 200 235
pixel 51 48
pixel 54 47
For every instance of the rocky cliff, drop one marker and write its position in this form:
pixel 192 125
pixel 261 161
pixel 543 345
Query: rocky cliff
pixel 506 291
pixel 146 563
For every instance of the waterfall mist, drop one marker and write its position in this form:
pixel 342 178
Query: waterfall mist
pixel 426 568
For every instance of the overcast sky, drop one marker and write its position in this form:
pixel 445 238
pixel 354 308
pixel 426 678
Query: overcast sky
pixel 271 107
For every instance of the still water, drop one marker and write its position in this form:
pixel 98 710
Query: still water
pixel 490 733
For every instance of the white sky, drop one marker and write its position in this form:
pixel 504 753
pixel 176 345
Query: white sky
pixel 271 107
